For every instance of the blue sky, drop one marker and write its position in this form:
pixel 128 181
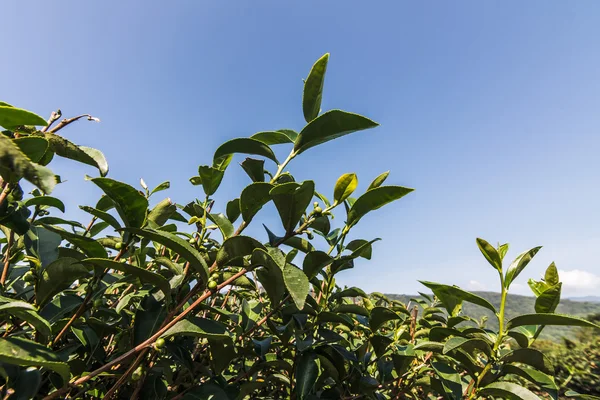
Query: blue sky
pixel 489 109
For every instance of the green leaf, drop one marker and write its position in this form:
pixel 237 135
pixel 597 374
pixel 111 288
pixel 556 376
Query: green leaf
pixel 344 187
pixel 47 201
pixel 236 247
pixel 148 319
pixel 102 215
pixel 551 275
pixel 531 357
pixel 435 347
pixel 572 393
pixel 329 126
pixel 82 154
pixel 11 117
pixel 502 250
pixel 468 345
pixel 233 210
pixel 253 198
pixel 25 353
pixel 313 89
pixel 549 319
pixel 519 264
pixel 548 300
pixel 361 248
pixel 255 169
pixel 178 245
pixel 378 181
pixel 162 212
pixel 224 153
pixel 15 165
pixel 34 147
pixel 275 137
pixel 142 274
pixel 57 221
pixel 381 315
pixel 307 372
pixel 225 226
pixel 374 199
pixel 450 380
pixel 291 200
pixel 297 284
pixel 352 309
pixel 490 253
pixel 163 186
pixel 211 178
pixel 270 276
pixel 452 296
pixel 42 244
pixel 26 312
pixel 299 244
pixel 57 277
pixel 508 390
pixel 544 381
pixel 131 205
pixel 314 262
pixel 198 327
pixel 89 246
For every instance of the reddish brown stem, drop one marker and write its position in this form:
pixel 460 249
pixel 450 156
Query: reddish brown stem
pixel 11 238
pixel 4 193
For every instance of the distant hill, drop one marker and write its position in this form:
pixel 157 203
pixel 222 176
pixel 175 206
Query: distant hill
pixel 590 299
pixel 516 305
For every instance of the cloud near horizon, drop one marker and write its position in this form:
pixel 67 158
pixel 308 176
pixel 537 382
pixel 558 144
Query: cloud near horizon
pixel 578 282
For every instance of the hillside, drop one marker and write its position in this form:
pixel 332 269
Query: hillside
pixel 516 305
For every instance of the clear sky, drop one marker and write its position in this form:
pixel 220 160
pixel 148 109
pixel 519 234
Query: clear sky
pixel 491 110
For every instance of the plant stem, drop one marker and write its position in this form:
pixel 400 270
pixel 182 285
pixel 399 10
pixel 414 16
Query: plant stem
pixel 11 238
pixel 283 165
pixel 4 193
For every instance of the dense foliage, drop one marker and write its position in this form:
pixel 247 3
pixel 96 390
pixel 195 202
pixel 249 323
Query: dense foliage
pixel 173 301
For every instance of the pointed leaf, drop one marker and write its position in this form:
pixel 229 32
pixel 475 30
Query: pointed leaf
pixel 178 245
pixel 211 178
pixel 519 264
pixel 11 117
pixel 162 212
pixel 34 147
pixel 225 226
pixel 549 319
pixel 531 357
pixel 103 215
pixel 307 372
pixel 223 155
pixel 509 391
pixel 89 246
pixel 255 169
pixel 163 186
pixel 490 253
pixel 46 201
pixel 313 89
pixel 198 327
pixel 291 200
pixel 57 277
pixel 344 187
pixel 236 247
pixel 86 155
pixel 452 295
pixel 25 353
pixel 131 205
pixel 253 198
pixel 544 381
pixel 551 275
pixel 548 300
pixel 378 181
pixel 15 165
pixel 233 209
pixel 468 345
pixel 329 126
pixel 374 199
pixel 274 137
pixel 142 274
pixel 314 262
pixel 296 283
pixel 381 315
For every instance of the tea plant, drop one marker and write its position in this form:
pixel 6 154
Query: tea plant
pixel 174 301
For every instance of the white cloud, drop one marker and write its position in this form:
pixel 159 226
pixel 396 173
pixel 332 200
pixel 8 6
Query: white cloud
pixel 577 282
pixel 476 286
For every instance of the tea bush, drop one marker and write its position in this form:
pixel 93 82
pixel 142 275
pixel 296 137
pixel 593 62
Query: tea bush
pixel 153 299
